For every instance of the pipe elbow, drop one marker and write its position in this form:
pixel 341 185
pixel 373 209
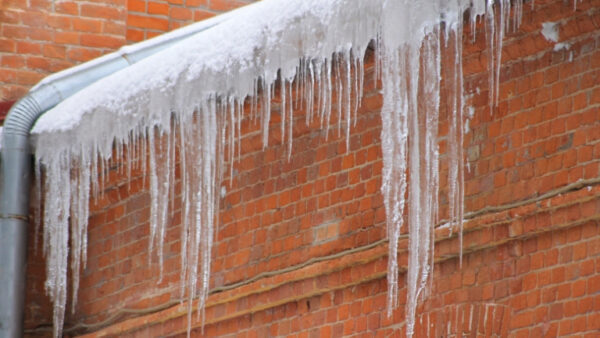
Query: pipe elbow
pixel 21 117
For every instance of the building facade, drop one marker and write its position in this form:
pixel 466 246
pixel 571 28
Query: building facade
pixel 301 245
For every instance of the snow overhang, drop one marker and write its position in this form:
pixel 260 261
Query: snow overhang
pixel 226 60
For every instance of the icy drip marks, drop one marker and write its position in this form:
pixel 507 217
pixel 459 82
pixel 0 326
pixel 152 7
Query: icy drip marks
pixel 496 24
pixel 455 105
pixel 189 109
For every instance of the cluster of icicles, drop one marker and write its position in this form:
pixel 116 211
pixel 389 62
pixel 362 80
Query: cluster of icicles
pixel 319 71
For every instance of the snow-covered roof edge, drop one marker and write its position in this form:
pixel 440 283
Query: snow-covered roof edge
pixel 268 36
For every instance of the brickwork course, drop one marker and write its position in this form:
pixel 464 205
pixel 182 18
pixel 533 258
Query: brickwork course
pixel 300 249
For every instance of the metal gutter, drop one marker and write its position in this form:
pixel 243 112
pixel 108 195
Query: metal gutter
pixel 16 161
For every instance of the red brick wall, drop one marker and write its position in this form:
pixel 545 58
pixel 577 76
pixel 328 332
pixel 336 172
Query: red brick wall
pixel 299 249
pixel 147 18
pixel 41 37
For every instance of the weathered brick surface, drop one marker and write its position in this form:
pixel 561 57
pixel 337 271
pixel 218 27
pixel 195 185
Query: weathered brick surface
pixel 299 251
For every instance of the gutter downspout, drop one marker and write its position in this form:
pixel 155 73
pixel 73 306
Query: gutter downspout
pixel 16 162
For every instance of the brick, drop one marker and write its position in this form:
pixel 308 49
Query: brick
pixel 100 41
pixel 67 7
pixel 67 38
pixel 87 25
pixel 223 5
pixel 39 34
pixel 33 19
pixel 8 75
pixel 9 16
pixel 12 32
pixel 82 54
pixel 38 63
pixel 28 48
pixel 158 8
pixel 7 46
pixel 61 22
pixel 27 78
pixel 101 11
pixel 114 28
pixel 178 13
pixel 12 61
pixel 134 35
pixel 148 22
pixel 136 6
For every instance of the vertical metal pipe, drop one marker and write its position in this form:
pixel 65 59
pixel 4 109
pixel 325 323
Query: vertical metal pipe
pixel 14 208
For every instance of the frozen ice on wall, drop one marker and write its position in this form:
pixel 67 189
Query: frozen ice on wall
pixel 192 101
pixel 550 31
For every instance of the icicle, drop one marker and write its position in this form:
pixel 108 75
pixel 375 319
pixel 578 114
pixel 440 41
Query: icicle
pixel 361 80
pixel 164 174
pixel 172 166
pixel 416 224
pixel 283 106
pixel 266 111
pixel 232 127
pixel 130 158
pixel 290 123
pixel 394 134
pixel 240 111
pixel 497 19
pixel 456 131
pixel 56 235
pixel 153 192
pixel 348 98
pixel 80 192
pixel 184 146
pixel 328 95
pixel 311 88
pixel 336 62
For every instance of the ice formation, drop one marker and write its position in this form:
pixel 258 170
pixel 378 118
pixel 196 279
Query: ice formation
pixel 191 103
pixel 550 31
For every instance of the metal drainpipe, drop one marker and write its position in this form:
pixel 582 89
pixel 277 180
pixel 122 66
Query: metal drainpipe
pixel 16 160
